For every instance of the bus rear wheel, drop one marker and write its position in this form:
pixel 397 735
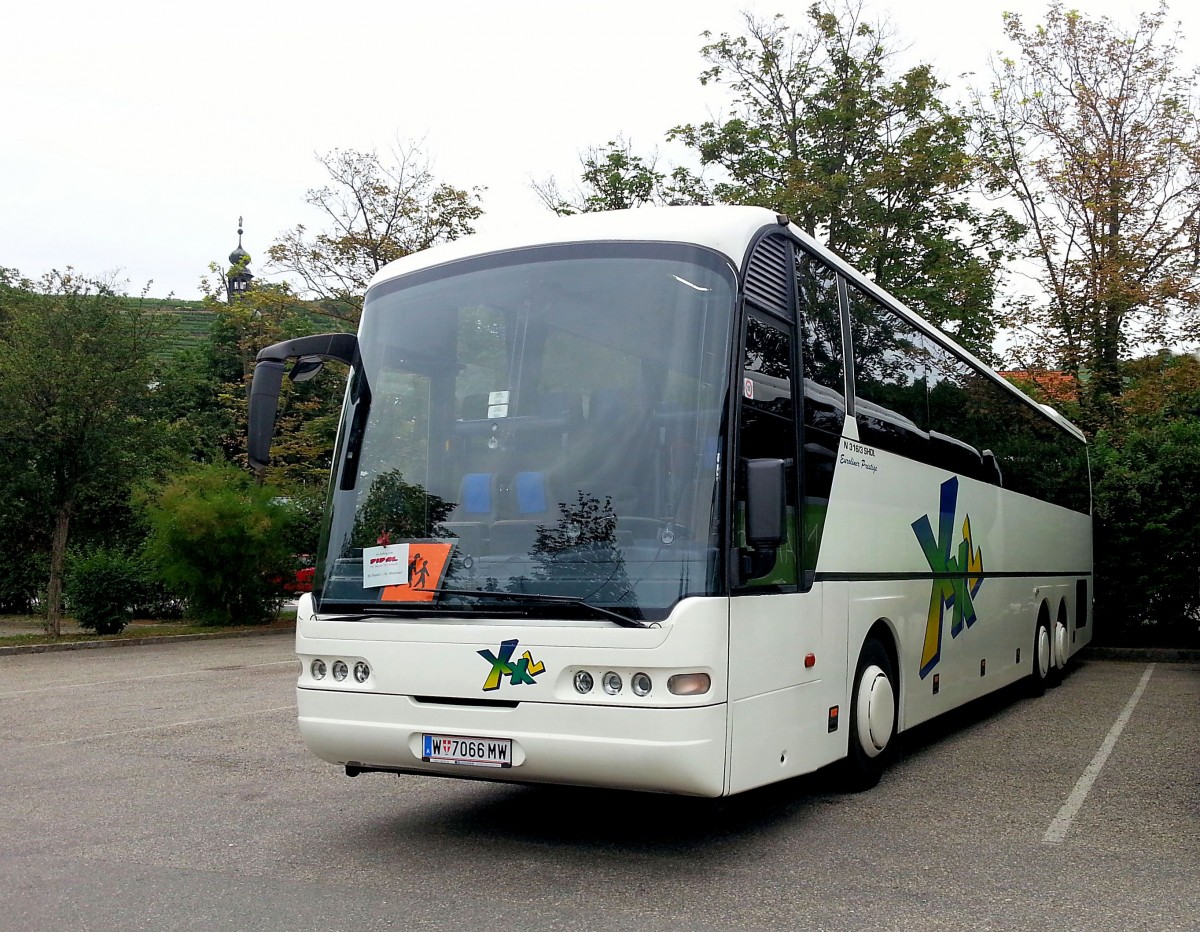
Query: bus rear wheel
pixel 872 718
pixel 1043 658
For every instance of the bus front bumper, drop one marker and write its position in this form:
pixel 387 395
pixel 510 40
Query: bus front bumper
pixel 671 750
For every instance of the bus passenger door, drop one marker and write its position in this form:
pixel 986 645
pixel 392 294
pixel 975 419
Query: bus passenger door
pixel 776 722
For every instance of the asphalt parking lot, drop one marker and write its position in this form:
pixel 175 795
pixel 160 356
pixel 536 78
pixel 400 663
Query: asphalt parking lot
pixel 166 787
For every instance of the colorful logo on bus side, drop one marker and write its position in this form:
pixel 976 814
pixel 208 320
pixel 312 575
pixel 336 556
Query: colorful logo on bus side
pixel 957 577
pixel 519 672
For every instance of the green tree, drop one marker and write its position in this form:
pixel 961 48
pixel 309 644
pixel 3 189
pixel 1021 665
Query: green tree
pixel 1091 130
pixel 221 541
pixel 204 400
pixel 378 210
pixel 76 365
pixel 614 177
pixel 823 129
pixel 308 411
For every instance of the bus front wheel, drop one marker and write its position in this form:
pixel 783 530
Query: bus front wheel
pixel 872 718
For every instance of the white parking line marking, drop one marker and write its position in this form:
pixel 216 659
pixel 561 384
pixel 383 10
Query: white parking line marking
pixel 1066 815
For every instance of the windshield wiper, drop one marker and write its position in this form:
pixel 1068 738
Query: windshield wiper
pixel 542 598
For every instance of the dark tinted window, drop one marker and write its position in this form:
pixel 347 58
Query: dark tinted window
pixel 889 370
pixel 918 398
pixel 824 369
pixel 821 325
pixel 768 426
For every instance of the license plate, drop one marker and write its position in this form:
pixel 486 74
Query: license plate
pixel 474 752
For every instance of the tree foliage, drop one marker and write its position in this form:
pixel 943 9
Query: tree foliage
pixel 220 541
pixel 76 367
pixel 614 177
pixel 308 411
pixel 1090 128
pixel 874 162
pixel 377 210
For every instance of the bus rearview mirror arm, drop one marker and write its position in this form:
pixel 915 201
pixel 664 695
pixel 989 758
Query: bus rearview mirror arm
pixel 310 352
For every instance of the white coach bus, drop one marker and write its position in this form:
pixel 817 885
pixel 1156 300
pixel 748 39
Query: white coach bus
pixel 671 500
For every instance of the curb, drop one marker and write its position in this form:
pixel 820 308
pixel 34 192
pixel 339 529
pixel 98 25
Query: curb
pixel 138 642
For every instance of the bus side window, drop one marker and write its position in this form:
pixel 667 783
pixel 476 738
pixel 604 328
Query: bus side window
pixel 768 431
pixel 824 396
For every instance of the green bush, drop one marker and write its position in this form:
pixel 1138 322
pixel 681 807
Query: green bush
pixel 102 587
pixel 221 542
pixel 22 574
pixel 1147 532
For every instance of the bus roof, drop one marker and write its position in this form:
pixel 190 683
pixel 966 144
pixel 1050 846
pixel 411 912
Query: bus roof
pixel 728 230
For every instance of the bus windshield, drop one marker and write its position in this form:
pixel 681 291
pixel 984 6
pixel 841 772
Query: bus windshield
pixel 545 422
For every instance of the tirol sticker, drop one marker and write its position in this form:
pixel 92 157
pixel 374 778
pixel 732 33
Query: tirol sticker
pixel 385 566
pixel 748 389
pixel 424 567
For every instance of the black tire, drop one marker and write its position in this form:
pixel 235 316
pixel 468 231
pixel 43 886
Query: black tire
pixel 1043 658
pixel 872 738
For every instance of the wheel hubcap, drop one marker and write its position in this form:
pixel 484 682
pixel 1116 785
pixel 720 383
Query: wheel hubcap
pixel 1060 645
pixel 876 711
pixel 1043 651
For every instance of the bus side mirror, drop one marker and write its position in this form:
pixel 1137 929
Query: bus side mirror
pixel 268 379
pixel 264 402
pixel 766 497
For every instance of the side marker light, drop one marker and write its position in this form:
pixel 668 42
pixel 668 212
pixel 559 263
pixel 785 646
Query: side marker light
pixel 689 684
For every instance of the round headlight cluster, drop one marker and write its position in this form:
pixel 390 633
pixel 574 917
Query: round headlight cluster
pixel 318 669
pixel 640 684
pixel 612 683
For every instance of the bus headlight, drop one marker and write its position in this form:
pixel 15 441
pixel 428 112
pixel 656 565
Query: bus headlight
pixel 641 684
pixel 340 670
pixel 317 669
pixel 612 683
pixel 361 672
pixel 584 682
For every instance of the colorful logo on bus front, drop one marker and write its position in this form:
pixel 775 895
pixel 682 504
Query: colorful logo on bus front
pixel 519 672
pixel 957 576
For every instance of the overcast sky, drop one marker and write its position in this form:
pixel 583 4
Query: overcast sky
pixel 133 135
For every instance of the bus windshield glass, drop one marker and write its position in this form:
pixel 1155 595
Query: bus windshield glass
pixel 543 422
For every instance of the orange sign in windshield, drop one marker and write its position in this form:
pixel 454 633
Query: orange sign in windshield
pixel 427 564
